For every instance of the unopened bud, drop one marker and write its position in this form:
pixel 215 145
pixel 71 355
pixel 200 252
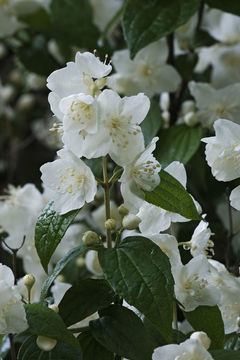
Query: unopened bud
pixel 123 210
pixel 8 93
pixel 80 262
pixel 191 118
pixel 90 238
pixel 202 338
pixel 46 344
pixel 131 222
pixel 54 307
pixel 165 101
pixel 110 224
pixel 166 118
pixel 29 281
pixel 35 82
pixel 61 278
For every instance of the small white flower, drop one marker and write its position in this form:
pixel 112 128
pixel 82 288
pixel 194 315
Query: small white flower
pixel 230 307
pixel 200 243
pixel 12 313
pixel 190 349
pixel 119 133
pixel 77 77
pixel 223 26
pixel 147 72
pixel 235 198
pixel 142 173
pixel 71 179
pixel 92 263
pixel 216 103
pixel 223 150
pixel 193 285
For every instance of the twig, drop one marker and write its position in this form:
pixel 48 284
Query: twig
pixel 200 16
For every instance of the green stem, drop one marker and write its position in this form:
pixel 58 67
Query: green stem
pixel 106 187
pixel 175 320
pixel 12 347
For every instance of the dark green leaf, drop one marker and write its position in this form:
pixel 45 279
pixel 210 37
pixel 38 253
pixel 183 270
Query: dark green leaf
pixel 232 342
pixel 30 55
pixel 49 231
pixel 30 351
pixel 209 320
pixel 202 38
pixel 178 143
pixel 72 22
pixel 225 355
pixel 91 348
pixel 72 254
pixel 85 298
pixel 232 6
pixel 153 121
pixel 140 272
pixel 44 321
pixel 147 21
pixel 121 331
pixel 172 196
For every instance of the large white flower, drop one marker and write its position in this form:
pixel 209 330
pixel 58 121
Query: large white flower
pixel 12 313
pixel 188 350
pixel 193 285
pixel 77 77
pixel 224 27
pixel 223 150
pixel 147 72
pixel 71 179
pixel 119 133
pixel 216 103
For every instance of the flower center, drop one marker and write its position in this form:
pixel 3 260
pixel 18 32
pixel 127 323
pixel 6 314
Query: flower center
pixel 71 180
pixel 80 111
pixel 119 129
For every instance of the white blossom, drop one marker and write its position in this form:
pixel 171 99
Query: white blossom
pixel 71 179
pixel 216 103
pixel 92 263
pixel 12 313
pixel 200 243
pixel 147 72
pixel 193 285
pixel 187 350
pixel 223 150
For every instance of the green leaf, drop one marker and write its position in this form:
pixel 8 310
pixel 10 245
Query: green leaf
pixel 30 351
pixel 171 195
pixel 153 121
pixel 72 23
pixel 84 298
pixel 232 342
pixel 209 320
pixel 147 21
pixel 71 255
pixel 91 349
pixel 141 273
pixel 225 355
pixel 44 321
pixel 49 231
pixel 30 55
pixel 232 6
pixel 121 331
pixel 179 142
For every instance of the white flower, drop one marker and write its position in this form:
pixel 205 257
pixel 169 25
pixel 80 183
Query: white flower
pixel 119 133
pixel 12 313
pixel 224 27
pixel 223 150
pixel 147 72
pixel 187 350
pixel 184 35
pixel 225 61
pixel 230 309
pixel 154 218
pixel 100 218
pixel 77 77
pixel 19 209
pixel 72 180
pixel 193 285
pixel 58 290
pixel 214 104
pixel 35 290
pixel 200 243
